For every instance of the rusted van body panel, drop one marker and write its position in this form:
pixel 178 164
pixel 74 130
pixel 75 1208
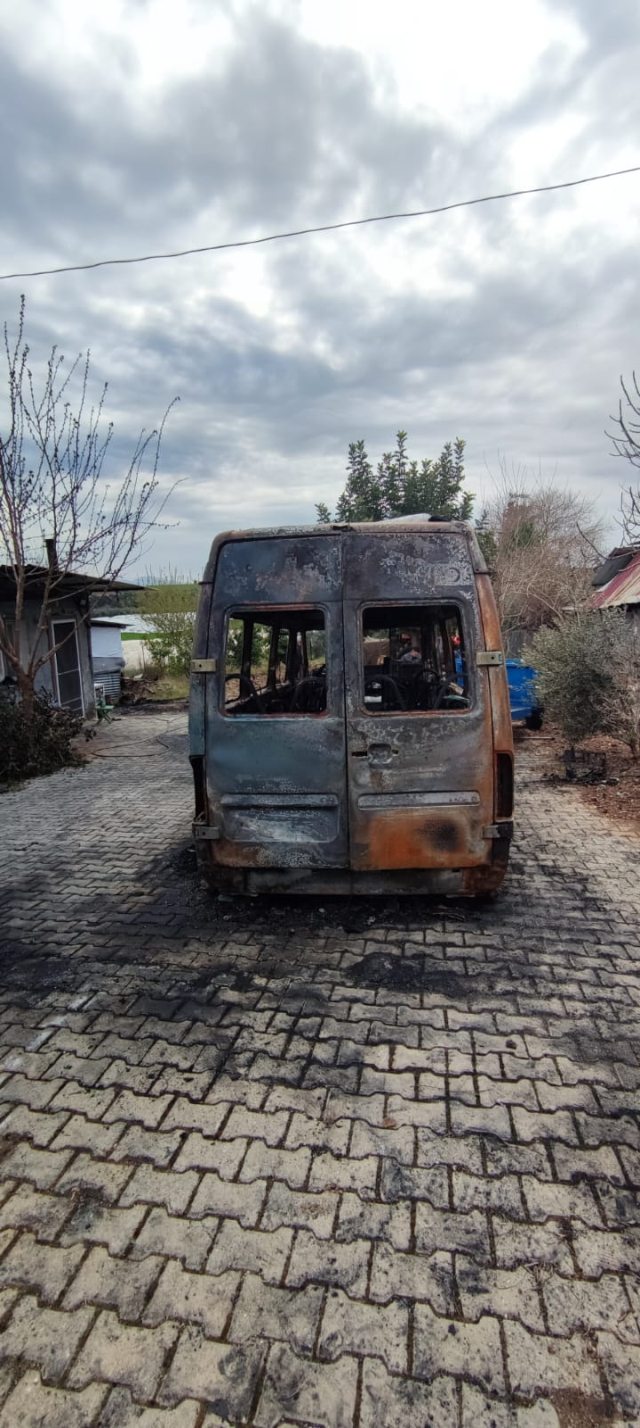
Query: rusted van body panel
pixel 363 772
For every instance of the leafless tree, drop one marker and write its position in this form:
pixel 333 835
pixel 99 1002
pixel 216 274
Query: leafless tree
pixel 626 443
pixel 55 496
pixel 546 543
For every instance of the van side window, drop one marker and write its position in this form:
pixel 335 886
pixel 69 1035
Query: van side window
pixel 414 659
pixel 275 662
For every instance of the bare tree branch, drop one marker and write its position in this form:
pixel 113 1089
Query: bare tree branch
pixel 545 537
pixel 53 454
pixel 626 443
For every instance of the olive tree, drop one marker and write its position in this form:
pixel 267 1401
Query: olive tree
pixel 589 675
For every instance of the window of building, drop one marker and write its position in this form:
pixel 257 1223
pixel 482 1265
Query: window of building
pixel 275 662
pixel 414 660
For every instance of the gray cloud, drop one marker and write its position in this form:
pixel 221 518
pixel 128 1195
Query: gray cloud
pixel 517 346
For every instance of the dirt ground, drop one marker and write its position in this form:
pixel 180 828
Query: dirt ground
pixel 615 793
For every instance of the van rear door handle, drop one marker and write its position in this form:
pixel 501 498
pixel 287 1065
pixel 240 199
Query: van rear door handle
pixel 376 753
pixel 381 753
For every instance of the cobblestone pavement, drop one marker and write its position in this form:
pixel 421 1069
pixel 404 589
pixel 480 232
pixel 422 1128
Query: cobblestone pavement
pixel 289 1163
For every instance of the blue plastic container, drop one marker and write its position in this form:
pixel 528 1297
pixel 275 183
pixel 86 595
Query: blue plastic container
pixel 522 693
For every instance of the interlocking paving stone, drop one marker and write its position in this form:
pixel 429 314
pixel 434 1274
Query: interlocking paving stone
pixel 123 1353
pixel 537 1365
pixel 113 1283
pixel 26 1208
pixel 32 1404
pixel 507 1292
pixel 121 1411
pixel 323 1394
pixel 464 1350
pixel 215 1196
pixel 266 1312
pixel 394 1400
pixel 292 1207
pixel 173 1236
pixel 102 1224
pixel 194 1298
pixel 223 1375
pixel 43 1337
pixel 263 1253
pixel 338 1264
pixel 28 1162
pixel 349 1327
pixel 240 1183
pixel 38 1126
pixel 46 1268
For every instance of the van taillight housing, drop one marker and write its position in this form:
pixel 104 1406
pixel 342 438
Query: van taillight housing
pixel 504 785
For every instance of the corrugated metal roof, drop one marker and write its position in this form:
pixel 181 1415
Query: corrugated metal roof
pixel 623 589
pixel 66 582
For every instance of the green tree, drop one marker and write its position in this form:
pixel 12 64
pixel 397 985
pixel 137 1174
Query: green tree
pixel 361 499
pixel 400 487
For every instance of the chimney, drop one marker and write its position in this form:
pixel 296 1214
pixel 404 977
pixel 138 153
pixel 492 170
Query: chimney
pixel 52 554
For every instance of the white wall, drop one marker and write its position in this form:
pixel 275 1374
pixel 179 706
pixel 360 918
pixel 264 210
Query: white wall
pixel 106 642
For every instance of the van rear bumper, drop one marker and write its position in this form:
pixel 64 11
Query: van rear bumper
pixel 440 882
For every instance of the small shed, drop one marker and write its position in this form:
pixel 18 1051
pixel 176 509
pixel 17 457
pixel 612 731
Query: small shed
pixel 67 675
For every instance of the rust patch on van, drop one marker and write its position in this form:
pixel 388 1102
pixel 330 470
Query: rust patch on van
pixel 413 838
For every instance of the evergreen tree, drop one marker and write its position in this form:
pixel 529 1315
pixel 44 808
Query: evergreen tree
pixel 361 499
pixel 401 487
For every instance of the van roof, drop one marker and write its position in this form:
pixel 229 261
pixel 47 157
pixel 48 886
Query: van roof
pixel 428 524
pixel 404 525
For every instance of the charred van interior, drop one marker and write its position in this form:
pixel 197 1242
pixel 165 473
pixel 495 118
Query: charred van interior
pixel 275 662
pixel 414 659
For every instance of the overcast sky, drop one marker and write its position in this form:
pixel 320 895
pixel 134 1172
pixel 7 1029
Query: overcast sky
pixel 136 126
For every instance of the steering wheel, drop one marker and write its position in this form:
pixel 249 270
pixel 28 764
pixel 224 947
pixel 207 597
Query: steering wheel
pixel 437 703
pixel 310 694
pixel 243 679
pixel 390 683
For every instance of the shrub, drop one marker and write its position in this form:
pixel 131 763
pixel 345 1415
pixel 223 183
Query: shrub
pixel 589 676
pixel 38 743
pixel 171 645
pixel 169 608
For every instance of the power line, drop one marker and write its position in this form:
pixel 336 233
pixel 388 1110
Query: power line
pixel 322 228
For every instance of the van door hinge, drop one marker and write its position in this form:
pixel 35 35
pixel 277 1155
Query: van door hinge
pixel 498 830
pixel 204 666
pixel 492 657
pixel 203 832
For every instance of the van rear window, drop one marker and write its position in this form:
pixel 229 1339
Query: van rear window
pixel 275 662
pixel 414 660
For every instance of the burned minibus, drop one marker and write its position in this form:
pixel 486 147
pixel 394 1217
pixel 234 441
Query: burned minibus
pixel 349 715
